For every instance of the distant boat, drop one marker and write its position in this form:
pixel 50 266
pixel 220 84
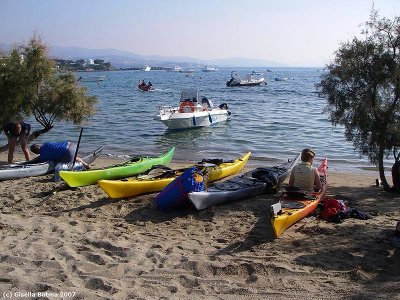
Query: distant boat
pixel 209 69
pixel 281 79
pixel 187 71
pixel 244 81
pixel 174 69
pixel 91 78
pixel 146 68
pixel 145 87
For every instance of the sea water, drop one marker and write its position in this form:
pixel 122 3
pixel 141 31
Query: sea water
pixel 273 121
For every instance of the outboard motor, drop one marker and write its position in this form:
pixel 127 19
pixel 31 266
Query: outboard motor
pixel 206 103
pixel 223 106
pixel 228 83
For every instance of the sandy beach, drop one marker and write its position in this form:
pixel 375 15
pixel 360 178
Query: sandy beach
pixel 79 244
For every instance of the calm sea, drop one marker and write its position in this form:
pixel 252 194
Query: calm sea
pixel 274 121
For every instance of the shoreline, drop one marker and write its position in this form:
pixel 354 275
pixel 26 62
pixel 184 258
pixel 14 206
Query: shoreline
pixel 80 241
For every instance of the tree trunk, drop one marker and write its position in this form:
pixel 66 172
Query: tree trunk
pixel 33 136
pixel 385 184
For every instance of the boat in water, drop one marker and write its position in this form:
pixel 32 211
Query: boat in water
pixel 281 79
pixel 257 73
pixel 209 69
pixel 174 69
pixel 187 71
pixel 192 112
pixel 146 68
pixel 91 78
pixel 249 80
pixel 145 87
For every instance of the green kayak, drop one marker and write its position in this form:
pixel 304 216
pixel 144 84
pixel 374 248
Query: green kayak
pixel 126 169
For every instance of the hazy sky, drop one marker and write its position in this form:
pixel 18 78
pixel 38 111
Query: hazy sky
pixel 294 32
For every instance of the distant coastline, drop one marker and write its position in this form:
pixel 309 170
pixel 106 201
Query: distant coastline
pixel 125 59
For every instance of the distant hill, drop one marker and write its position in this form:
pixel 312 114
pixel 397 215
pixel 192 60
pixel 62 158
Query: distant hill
pixel 125 59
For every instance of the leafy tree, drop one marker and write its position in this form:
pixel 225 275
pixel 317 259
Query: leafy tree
pixel 30 86
pixel 362 87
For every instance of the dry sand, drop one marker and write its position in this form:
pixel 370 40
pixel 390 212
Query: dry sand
pixel 83 244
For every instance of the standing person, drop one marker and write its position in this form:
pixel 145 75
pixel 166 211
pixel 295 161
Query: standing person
pixel 17 132
pixel 58 152
pixel 304 176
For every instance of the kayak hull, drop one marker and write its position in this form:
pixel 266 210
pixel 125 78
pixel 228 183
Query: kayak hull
pixel 291 210
pixel 126 169
pixel 242 186
pixel 136 186
pixel 26 169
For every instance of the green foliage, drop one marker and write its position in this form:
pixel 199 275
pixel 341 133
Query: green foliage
pixel 362 87
pixel 29 85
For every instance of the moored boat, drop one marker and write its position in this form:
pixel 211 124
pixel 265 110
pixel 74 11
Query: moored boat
pixel 209 69
pixel 190 113
pixel 146 68
pixel 128 168
pixel 174 69
pixel 149 184
pixel 249 80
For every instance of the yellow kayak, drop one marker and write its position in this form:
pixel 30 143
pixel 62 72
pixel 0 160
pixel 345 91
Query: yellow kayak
pixel 146 184
pixel 292 208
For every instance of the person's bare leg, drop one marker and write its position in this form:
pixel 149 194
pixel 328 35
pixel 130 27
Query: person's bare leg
pixel 12 141
pixel 24 146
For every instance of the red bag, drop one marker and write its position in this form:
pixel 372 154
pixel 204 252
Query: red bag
pixel 331 207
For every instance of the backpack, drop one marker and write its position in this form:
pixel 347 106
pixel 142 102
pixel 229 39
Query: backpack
pixel 331 207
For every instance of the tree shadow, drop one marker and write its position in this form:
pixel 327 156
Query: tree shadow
pixel 377 269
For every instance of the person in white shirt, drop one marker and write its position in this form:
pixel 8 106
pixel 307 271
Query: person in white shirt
pixel 304 175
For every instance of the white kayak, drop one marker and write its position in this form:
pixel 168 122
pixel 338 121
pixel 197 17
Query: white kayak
pixel 247 185
pixel 28 169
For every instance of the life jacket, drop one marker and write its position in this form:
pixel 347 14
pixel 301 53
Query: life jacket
pixel 187 106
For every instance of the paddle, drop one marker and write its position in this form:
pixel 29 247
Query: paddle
pixel 76 151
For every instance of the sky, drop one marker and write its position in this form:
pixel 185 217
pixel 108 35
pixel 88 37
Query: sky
pixel 302 33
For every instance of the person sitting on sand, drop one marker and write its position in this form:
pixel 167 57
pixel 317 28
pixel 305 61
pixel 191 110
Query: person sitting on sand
pixel 304 176
pixel 17 131
pixel 59 152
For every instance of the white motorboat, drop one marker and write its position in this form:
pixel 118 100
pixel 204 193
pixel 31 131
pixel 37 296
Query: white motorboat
pixel 257 73
pixel 174 69
pixel 146 68
pixel 192 112
pixel 249 80
pixel 209 69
